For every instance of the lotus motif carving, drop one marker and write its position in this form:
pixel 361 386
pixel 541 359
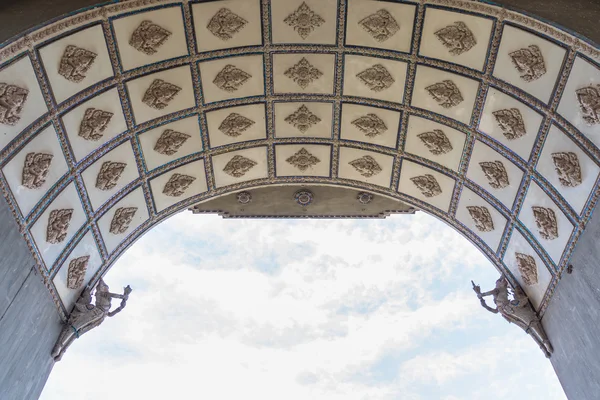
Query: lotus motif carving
pixel 482 218
pixel 527 269
pixel 495 173
pixel 238 166
pixel 122 219
pixel 225 24
pixel 177 185
pixel 304 20
pixel 109 175
pixel 529 62
pixel 371 125
pixel 12 101
pixel 446 94
pixel 568 168
pixel 148 37
pixel 589 102
pixel 436 142
pixel 58 225
pixel 160 94
pixel 94 123
pixel 35 170
pixel 457 38
pixel 303 160
pixel 303 73
pixel 545 219
pixel 235 124
pixel 75 63
pixel 302 119
pixel 377 78
pixel 76 272
pixel 367 166
pixel 511 122
pixel 427 184
pixel 231 78
pixel 170 142
pixel 380 25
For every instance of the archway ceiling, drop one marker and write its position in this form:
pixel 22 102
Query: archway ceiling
pixel 483 117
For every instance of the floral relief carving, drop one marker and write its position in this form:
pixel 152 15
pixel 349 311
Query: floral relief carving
pixel 35 170
pixel 235 124
pixel 302 119
pixel 546 221
pixel 377 78
pixel 238 166
pixel 170 142
pixel 446 93
pixel 109 174
pixel 529 62
pixel 427 184
pixel 568 169
pixel 122 219
pixel 457 38
pixel 304 20
pixel 495 173
pixel 94 123
pixel 371 125
pixel 367 166
pixel 148 37
pixel 381 25
pixel 160 94
pixel 225 24
pixel 527 269
pixel 177 185
pixel 482 218
pixel 589 103
pixel 75 63
pixel 436 142
pixel 511 122
pixel 303 160
pixel 58 225
pixel 12 100
pixel 76 272
pixel 231 78
pixel 303 73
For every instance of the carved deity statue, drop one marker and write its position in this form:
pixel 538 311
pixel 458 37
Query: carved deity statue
pixel 86 316
pixel 518 311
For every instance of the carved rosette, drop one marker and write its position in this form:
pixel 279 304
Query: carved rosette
pixel 76 272
pixel 122 219
pixel 371 125
pixel 381 25
pixel 94 123
pixel 148 37
pixel 427 184
pixel 546 221
pixel 482 218
pixel 75 63
pixel 529 62
pixel 511 122
pixel 225 24
pixel 377 78
pixel 177 185
pixel 160 94
pixel 170 142
pixel 303 160
pixel 302 119
pixel 446 94
pixel 58 225
pixel 35 170
pixel 495 173
pixel 304 197
pixel 231 78
pixel 457 38
pixel 527 269
pixel 109 175
pixel 303 73
pixel 12 101
pixel 244 198
pixel 364 198
pixel 568 169
pixel 367 166
pixel 235 124
pixel 238 166
pixel 589 103
pixel 304 20
pixel 436 142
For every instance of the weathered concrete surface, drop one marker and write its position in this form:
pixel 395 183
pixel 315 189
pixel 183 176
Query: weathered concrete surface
pixel 572 320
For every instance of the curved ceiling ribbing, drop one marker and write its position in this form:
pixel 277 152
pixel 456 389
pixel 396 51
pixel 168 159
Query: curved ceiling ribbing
pixel 483 117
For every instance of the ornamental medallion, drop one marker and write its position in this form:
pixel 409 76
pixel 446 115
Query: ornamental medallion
pixel 436 141
pixel 148 37
pixel 377 78
pixel 482 218
pixel 527 269
pixel 304 197
pixel 568 168
pixel 303 73
pixel 511 122
pixel 545 219
pixel 94 123
pixel 238 166
pixel 304 20
pixel 364 198
pixel 371 125
pixel 529 62
pixel 122 219
pixel 177 185
pixel 244 197
pixel 170 142
pixel 160 94
pixel 303 160
pixel 446 93
pixel 495 173
pixel 109 175
pixel 427 184
pixel 380 25
pixel 302 119
pixel 75 63
pixel 457 38
pixel 58 225
pixel 235 124
pixel 231 78
pixel 367 166
pixel 225 24
pixel 12 100
pixel 35 170
pixel 589 103
pixel 76 272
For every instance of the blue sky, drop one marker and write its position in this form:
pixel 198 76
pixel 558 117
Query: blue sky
pixel 303 309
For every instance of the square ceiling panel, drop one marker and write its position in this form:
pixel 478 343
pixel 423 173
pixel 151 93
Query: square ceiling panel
pixel 35 169
pixel 510 122
pixel 380 24
pixel 155 95
pixel 303 120
pixel 304 73
pixel 298 22
pixel 150 37
pixel 425 184
pixel 240 166
pixel 236 124
pixel 227 24
pixel 434 141
pixel 94 123
pixel 171 141
pixel 232 77
pixel 445 93
pixel 459 38
pixel 178 184
pixel 376 78
pixel 529 62
pixel 373 125
pixel 366 166
pixel 303 160
pixel 76 62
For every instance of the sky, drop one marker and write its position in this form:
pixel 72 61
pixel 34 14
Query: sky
pixel 303 309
